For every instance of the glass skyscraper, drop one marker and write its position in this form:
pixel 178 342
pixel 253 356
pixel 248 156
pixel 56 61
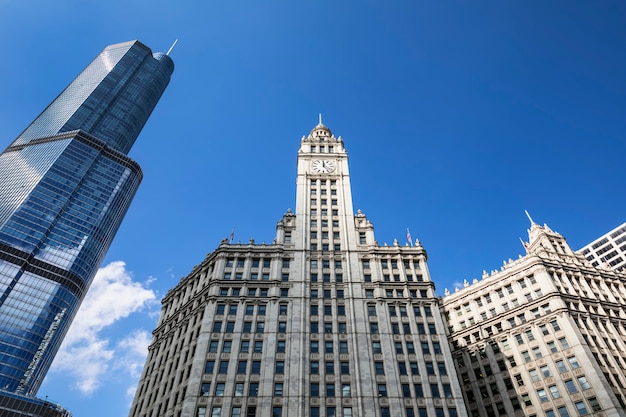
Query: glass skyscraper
pixel 65 186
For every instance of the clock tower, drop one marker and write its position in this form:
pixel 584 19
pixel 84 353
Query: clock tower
pixel 323 322
pixel 324 210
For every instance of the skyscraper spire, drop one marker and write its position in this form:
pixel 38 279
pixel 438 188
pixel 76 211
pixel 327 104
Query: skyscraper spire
pixel 171 47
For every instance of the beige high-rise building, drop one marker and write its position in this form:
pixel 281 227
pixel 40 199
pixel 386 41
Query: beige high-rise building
pixel 543 336
pixel 322 322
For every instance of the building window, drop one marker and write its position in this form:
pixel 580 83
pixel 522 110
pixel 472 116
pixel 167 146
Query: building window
pixel 241 367
pixel 402 368
pixel 379 367
pixel 554 391
pixel 442 368
pixel 345 368
pixel 584 384
pixel 595 405
pixel 223 367
pixel 382 390
pixel 219 389
pixel 371 310
pixel 543 396
pixel 253 390
pixel 573 362
pixel 582 409
pixel 552 347
pixel 280 367
pixel 430 370
pixel 534 375
pixel 278 389
pixel 280 346
pixel 571 387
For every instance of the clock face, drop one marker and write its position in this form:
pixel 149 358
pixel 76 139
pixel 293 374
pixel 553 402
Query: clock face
pixel 323 166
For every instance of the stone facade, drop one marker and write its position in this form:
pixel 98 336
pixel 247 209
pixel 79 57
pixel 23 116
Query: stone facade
pixel 322 322
pixel 544 336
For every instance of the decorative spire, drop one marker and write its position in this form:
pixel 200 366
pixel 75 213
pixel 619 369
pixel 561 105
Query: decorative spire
pixel 320 131
pixel 529 218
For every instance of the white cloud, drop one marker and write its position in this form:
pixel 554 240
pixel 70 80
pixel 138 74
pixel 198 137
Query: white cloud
pixel 134 348
pixel 85 354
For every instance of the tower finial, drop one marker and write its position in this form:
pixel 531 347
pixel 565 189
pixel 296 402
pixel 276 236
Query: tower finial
pixel 320 118
pixel 529 218
pixel 172 47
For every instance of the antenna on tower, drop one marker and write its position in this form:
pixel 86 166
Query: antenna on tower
pixel 529 218
pixel 320 118
pixel 172 47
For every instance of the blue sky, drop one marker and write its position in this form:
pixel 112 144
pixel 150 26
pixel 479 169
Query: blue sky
pixel 457 117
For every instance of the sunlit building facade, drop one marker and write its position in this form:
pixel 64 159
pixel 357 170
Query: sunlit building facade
pixel 65 186
pixel 322 322
pixel 544 336
pixel 609 250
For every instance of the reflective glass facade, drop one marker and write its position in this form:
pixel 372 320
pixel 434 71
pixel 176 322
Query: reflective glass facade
pixel 65 186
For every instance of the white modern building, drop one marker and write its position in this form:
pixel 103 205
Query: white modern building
pixel 609 250
pixel 323 322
